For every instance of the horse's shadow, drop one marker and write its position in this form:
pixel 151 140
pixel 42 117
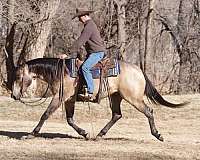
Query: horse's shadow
pixel 20 135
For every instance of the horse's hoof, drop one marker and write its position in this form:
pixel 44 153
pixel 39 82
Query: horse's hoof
pixel 29 136
pixel 161 138
pixel 98 138
pixel 87 136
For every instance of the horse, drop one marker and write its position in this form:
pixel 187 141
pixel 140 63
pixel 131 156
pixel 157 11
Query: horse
pixel 131 84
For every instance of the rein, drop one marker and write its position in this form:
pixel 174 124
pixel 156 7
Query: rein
pixel 30 103
pixel 61 87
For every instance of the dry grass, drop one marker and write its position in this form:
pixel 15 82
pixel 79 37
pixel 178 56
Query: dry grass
pixel 130 138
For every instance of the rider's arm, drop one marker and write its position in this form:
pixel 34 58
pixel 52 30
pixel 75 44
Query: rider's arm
pixel 83 38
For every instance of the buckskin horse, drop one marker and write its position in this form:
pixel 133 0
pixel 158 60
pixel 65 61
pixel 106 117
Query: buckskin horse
pixel 131 85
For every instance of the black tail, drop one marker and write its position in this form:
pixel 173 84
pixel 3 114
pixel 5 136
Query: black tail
pixel 153 95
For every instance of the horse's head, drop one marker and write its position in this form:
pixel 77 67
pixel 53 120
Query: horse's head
pixel 22 80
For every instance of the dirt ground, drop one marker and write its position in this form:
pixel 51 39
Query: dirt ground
pixel 130 138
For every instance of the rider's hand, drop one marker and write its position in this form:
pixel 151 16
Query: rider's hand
pixel 73 55
pixel 62 56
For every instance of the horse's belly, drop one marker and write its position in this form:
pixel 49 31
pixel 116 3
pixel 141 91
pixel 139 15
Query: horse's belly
pixel 112 85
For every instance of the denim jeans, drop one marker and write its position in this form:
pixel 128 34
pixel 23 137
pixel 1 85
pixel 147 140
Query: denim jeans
pixel 93 59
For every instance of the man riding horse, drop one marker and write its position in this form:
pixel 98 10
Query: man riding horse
pixel 90 38
pixel 131 84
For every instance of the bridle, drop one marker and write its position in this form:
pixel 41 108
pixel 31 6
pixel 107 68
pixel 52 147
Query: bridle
pixel 61 87
pixel 32 103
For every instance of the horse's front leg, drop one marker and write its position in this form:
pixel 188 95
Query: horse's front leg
pixel 69 107
pixel 55 103
pixel 116 114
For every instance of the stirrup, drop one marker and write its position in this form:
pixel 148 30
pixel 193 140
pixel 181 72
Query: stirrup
pixel 87 97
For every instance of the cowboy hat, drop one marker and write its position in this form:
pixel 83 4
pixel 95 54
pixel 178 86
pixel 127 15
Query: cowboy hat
pixel 82 12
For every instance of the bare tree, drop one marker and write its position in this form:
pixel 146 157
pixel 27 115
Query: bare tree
pixel 162 37
pixel 184 35
pixel 1 11
pixel 42 28
pixel 11 15
pixel 148 35
pixel 30 26
pixel 121 15
pixel 10 43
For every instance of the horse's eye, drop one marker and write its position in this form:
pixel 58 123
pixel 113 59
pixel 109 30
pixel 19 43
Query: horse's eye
pixel 34 77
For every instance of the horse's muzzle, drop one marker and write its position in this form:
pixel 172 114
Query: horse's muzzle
pixel 15 97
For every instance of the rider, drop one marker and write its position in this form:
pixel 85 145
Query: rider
pixel 90 38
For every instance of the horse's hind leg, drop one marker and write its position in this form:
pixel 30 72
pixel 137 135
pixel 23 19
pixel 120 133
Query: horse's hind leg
pixel 116 114
pixel 69 107
pixel 148 112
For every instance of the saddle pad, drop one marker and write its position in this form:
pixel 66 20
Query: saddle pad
pixel 73 70
pixel 112 72
pixel 95 71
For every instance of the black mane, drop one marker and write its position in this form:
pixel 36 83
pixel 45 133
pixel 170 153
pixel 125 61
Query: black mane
pixel 49 68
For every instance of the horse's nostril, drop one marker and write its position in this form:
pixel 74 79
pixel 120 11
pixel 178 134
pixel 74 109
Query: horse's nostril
pixel 12 96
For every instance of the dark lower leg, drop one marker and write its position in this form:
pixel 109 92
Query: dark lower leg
pixel 154 131
pixel 69 106
pixel 38 127
pixel 79 130
pixel 51 108
pixel 114 119
pixel 40 124
pixel 116 113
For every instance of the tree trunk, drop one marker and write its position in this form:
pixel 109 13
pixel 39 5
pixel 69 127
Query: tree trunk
pixel 43 29
pixel 140 50
pixel 148 37
pixel 184 73
pixel 1 10
pixel 11 7
pixel 9 57
pixel 185 63
pixel 121 26
pixel 9 46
